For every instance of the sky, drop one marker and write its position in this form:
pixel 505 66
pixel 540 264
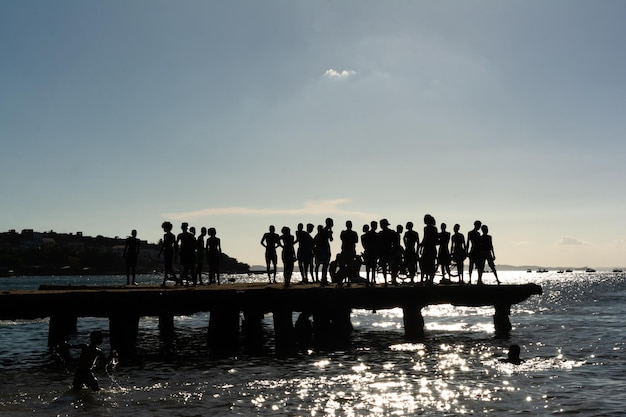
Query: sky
pixel 118 115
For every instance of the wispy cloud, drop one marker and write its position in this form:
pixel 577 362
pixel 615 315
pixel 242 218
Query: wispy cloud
pixel 316 208
pixel 337 75
pixel 570 241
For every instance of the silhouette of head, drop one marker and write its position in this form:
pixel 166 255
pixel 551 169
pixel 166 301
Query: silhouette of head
pixel 374 225
pixel 133 233
pixel 366 228
pixel 384 223
pixel 444 226
pixel 485 229
pixel 457 227
pixel 349 225
pixel 514 352
pixel 184 226
pixel 272 229
pixel 329 222
pixel 409 226
pixel 310 227
pixel 429 220
pixel 477 224
pixel 95 337
pixel 167 226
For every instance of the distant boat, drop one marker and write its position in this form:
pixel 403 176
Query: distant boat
pixel 529 270
pixel 568 270
pixel 542 270
pixel 560 271
pixel 617 270
pixel 590 270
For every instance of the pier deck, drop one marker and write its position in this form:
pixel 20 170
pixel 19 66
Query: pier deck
pixel 124 305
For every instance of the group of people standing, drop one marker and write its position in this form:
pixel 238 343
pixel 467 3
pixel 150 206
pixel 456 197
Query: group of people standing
pixel 192 251
pixel 388 251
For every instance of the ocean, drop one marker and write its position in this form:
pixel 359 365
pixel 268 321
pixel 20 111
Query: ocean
pixel 572 340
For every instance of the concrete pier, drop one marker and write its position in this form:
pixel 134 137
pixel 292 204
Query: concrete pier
pixel 241 307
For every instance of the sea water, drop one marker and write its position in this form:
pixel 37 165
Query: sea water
pixel 572 339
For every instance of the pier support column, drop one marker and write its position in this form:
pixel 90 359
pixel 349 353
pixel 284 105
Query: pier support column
pixel 123 331
pixel 501 322
pixel 60 328
pixel 224 332
pixel 413 322
pixel 252 329
pixel 166 328
pixel 284 334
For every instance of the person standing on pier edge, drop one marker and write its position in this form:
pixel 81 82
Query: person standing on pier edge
pixel 443 257
pixel 270 242
pixel 288 255
pixel 349 239
pixel 486 253
pixel 187 249
pixel 305 251
pixel 369 256
pixel 169 248
pixel 411 241
pixel 386 247
pixel 458 251
pixel 472 248
pixel 324 248
pixel 428 256
pixel 213 256
pixel 199 256
pixel 131 252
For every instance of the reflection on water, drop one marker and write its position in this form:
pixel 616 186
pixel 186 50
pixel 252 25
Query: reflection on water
pixel 571 337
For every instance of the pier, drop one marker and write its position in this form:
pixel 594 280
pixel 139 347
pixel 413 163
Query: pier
pixel 238 309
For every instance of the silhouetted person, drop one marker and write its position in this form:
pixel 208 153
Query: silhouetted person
pixel 472 248
pixel 131 252
pixel 349 239
pixel 305 251
pixel 187 251
pixel 397 260
pixel 368 241
pixel 213 256
pixel 324 248
pixel 486 253
pixel 169 248
pixel 270 242
pixel 289 254
pixel 411 241
pixel 89 355
pixel 317 244
pixel 428 250
pixel 443 257
pixel 514 355
pixel 387 240
pixel 458 250
pixel 199 256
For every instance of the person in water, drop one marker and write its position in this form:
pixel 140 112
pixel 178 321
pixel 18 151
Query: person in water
pixel 86 363
pixel 513 355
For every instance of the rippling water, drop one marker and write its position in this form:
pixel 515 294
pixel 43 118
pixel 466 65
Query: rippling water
pixel 572 340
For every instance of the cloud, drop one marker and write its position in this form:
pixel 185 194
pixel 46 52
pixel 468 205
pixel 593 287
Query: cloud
pixel 570 241
pixel 336 75
pixel 317 208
